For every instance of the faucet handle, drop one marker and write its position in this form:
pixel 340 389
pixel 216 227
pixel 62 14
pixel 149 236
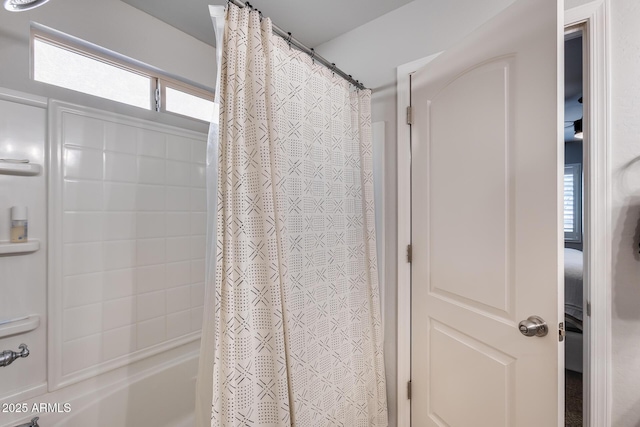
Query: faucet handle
pixel 32 423
pixel 7 357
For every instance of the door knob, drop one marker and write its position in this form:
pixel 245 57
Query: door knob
pixel 533 326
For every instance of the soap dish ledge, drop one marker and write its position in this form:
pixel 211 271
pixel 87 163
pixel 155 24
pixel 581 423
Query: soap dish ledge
pixel 24 169
pixel 8 248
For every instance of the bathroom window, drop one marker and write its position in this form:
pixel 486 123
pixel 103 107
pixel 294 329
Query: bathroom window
pixel 64 61
pixel 188 102
pixel 573 203
pixel 60 66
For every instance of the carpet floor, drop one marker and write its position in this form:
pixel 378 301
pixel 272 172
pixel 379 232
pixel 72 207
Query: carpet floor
pixel 573 399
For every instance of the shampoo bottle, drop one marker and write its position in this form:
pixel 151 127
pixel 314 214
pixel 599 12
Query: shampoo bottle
pixel 18 224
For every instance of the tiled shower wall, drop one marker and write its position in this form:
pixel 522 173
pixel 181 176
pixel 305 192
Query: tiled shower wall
pixel 129 203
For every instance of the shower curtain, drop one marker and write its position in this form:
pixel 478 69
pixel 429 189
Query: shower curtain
pixel 295 312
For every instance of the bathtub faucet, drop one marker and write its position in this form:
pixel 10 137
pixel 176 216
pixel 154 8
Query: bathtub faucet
pixel 7 357
pixel 32 423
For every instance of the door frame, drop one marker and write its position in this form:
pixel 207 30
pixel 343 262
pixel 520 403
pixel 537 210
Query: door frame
pixel 594 19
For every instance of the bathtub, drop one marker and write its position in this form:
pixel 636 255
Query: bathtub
pixel 158 391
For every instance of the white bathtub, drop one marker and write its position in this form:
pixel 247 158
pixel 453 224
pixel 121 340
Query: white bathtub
pixel 155 392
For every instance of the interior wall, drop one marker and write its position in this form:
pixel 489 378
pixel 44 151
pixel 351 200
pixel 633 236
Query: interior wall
pixel 111 24
pixel 625 214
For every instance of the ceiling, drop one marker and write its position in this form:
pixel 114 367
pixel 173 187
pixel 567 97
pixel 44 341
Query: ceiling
pixel 313 22
pixel 572 84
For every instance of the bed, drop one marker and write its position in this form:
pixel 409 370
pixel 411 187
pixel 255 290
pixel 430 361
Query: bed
pixel 573 308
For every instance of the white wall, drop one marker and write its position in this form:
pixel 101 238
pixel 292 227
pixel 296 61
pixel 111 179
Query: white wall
pixel 111 24
pixel 625 215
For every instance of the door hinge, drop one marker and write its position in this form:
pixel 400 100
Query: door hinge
pixel 561 332
pixel 409 115
pixel 589 308
pixel 409 253
pixel 409 390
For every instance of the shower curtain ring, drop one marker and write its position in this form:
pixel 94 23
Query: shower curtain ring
pixel 313 55
pixel 289 39
pixel 333 68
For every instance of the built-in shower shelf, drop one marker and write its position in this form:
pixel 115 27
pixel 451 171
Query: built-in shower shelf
pixel 8 248
pixel 24 169
pixel 19 325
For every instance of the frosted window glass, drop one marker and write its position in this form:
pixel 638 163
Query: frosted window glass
pixel 71 70
pixel 190 105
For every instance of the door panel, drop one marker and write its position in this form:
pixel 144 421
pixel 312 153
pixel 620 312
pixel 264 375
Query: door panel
pixel 472 188
pixel 486 225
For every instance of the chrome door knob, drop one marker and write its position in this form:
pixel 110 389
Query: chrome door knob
pixel 533 326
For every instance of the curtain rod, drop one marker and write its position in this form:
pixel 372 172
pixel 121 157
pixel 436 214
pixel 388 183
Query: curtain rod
pixel 299 45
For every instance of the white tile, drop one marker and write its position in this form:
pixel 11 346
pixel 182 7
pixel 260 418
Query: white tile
pixel 150 305
pixel 178 173
pixel 198 151
pixel 198 247
pixel 82 195
pixel 79 258
pixel 198 223
pixel 151 332
pixel 118 342
pixel 151 278
pixel 81 353
pixel 82 131
pixel 119 283
pixel 119 254
pixel 82 289
pixel 119 226
pixel 199 176
pixel 119 197
pixel 121 138
pixel 150 224
pixel 150 198
pixel 197 295
pixel 197 271
pixel 198 200
pixel 178 274
pixel 81 321
pixel 178 199
pixel 150 251
pixel 178 148
pixel 178 299
pixel 83 164
pixel 80 227
pixel 120 167
pixel 151 143
pixel 118 313
pixel 177 249
pixel 196 319
pixel 178 224
pixel 151 170
pixel 178 324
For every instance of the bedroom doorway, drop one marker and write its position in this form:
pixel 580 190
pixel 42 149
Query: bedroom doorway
pixel 574 167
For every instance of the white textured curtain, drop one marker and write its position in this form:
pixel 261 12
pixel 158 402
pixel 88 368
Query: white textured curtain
pixel 298 337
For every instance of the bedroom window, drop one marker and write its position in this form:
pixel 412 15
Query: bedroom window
pixel 65 61
pixel 573 203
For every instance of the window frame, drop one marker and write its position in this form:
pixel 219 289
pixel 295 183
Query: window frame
pixel 574 236
pixel 159 80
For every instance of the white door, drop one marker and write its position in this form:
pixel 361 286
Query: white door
pixel 486 225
